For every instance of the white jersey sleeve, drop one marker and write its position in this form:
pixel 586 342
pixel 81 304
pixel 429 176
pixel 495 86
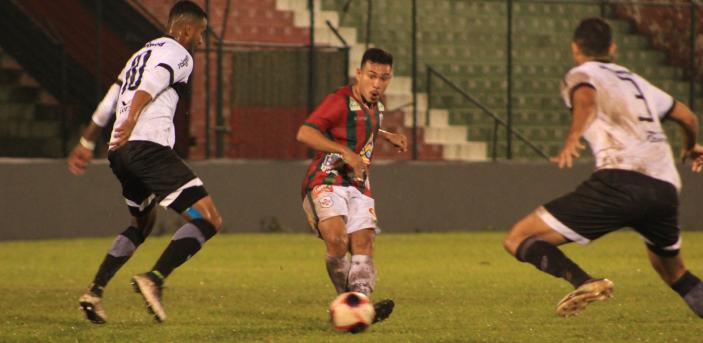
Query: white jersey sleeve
pixel 165 68
pixel 661 102
pixel 574 79
pixel 106 107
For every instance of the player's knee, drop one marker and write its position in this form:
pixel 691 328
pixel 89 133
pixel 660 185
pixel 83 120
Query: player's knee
pixel 512 240
pixel 212 216
pixel 337 243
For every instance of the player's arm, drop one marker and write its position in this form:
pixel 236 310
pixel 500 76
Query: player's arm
pixel 313 138
pixel 688 122
pixel 583 112
pixel 82 153
pixel 397 139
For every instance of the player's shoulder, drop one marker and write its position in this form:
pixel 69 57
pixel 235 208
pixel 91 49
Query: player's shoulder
pixel 339 96
pixel 165 43
pixel 168 49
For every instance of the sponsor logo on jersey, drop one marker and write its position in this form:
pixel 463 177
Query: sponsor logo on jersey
pixel 151 44
pixel 183 63
pixel 321 189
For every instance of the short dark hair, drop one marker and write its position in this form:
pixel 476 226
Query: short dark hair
pixel 594 37
pixel 377 55
pixel 186 7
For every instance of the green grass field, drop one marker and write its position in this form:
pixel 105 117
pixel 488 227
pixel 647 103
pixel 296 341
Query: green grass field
pixel 453 287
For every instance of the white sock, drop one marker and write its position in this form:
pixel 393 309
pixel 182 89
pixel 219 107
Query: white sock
pixel 362 274
pixel 338 269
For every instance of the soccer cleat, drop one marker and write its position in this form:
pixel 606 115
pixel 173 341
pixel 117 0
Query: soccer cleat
pixel 383 309
pixel 576 301
pixel 151 292
pixel 92 306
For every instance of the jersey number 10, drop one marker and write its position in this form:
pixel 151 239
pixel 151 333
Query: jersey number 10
pixel 133 77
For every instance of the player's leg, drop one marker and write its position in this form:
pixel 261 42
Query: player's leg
pixel 333 232
pixel 326 209
pixel 362 228
pixel 598 206
pixel 204 222
pixel 682 281
pixel 532 241
pixel 662 235
pixel 362 274
pixel 124 246
pixel 175 186
pixel 141 207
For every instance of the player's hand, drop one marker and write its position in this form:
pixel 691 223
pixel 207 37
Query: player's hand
pixel 122 133
pixel 78 159
pixel 695 154
pixel 357 163
pixel 399 140
pixel 569 152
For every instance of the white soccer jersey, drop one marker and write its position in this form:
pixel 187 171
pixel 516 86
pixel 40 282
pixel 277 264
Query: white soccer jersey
pixel 626 132
pixel 161 68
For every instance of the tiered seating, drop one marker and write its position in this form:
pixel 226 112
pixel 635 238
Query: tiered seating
pixel 466 41
pixel 29 125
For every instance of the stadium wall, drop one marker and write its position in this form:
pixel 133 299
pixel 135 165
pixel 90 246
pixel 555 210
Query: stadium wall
pixel 40 199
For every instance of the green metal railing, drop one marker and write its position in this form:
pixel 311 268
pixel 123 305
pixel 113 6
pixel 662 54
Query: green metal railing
pixel 497 121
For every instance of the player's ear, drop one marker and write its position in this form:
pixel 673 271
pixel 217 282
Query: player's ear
pixel 612 49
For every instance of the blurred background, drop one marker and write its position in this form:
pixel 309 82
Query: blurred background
pixel 467 72
pixel 474 81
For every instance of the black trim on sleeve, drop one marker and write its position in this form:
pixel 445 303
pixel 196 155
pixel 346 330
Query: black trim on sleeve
pixel 118 82
pixel 170 71
pixel 577 86
pixel 667 114
pixel 181 88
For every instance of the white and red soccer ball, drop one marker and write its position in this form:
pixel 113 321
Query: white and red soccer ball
pixel 352 312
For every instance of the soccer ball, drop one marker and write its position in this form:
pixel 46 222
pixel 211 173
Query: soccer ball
pixel 352 312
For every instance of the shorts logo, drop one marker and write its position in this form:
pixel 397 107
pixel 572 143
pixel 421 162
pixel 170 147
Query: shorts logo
pixel 325 202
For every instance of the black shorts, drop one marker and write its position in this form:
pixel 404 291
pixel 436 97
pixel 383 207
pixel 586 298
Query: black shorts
pixel 612 199
pixel 152 173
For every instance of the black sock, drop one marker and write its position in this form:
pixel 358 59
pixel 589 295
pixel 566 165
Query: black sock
pixel 122 249
pixel 549 259
pixel 184 244
pixel 685 283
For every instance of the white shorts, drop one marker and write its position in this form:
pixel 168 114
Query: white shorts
pixel 326 201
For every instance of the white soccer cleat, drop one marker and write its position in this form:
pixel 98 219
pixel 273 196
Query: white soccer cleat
pixel 575 302
pixel 92 306
pixel 151 292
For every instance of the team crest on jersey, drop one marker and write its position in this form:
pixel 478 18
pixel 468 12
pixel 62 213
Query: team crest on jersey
pixel 367 151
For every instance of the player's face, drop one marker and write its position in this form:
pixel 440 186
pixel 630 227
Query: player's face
pixel 373 79
pixel 196 35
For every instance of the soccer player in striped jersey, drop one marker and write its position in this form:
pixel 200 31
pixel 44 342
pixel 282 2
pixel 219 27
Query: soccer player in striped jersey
pixel 141 156
pixel 336 190
pixel 635 184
